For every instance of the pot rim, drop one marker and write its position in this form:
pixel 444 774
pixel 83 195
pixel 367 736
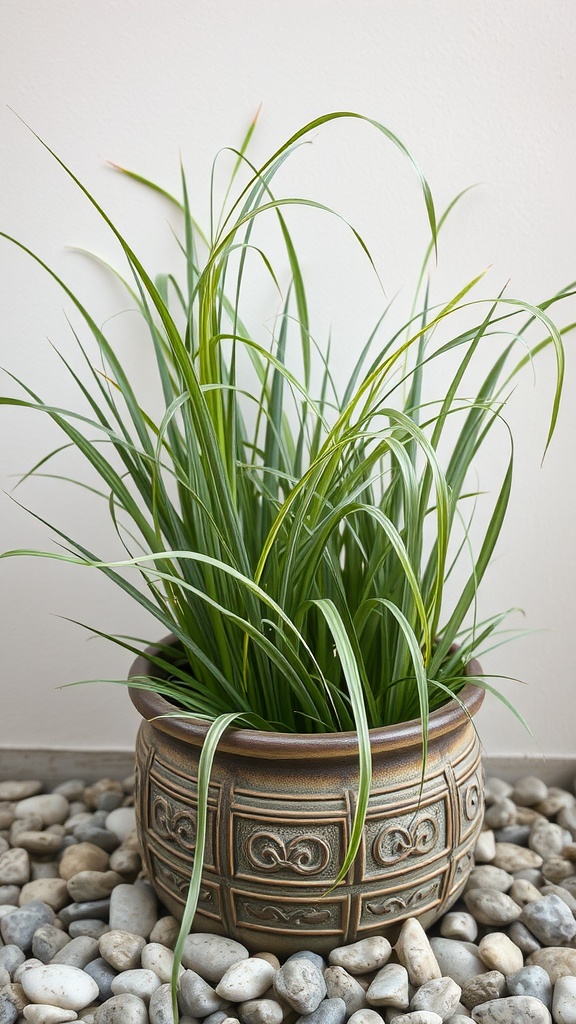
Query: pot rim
pixel 260 744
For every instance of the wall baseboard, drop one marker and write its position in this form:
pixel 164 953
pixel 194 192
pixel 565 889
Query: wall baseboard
pixel 54 766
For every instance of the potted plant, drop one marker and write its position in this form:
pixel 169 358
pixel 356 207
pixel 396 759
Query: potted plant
pixel 307 754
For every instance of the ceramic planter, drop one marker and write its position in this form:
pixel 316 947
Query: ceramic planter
pixel 279 815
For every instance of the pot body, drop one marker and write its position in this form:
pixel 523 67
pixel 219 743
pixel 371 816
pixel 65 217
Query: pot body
pixel 280 810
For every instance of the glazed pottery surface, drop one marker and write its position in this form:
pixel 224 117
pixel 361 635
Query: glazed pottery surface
pixel 280 809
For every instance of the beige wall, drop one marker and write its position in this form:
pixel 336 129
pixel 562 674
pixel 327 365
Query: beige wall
pixel 481 92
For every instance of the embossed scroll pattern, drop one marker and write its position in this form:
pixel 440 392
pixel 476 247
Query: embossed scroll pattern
pixel 398 904
pixel 397 842
pixel 305 854
pixel 297 916
pixel 174 823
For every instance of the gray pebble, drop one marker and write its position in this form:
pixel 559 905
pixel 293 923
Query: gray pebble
pixel 441 996
pixel 531 981
pixel 133 908
pixel 482 988
pixel 308 954
pixel 87 926
pixel 390 987
pixel 18 927
pixel 340 984
pixel 512 1010
pixel 103 974
pixel 301 984
pixel 490 906
pixel 197 997
pixel 102 837
pixel 160 1008
pixel 522 937
pixel 123 1009
pixel 330 1011
pixel 93 909
pixel 11 957
pixel 517 834
pixel 559 890
pixel 497 788
pixel 110 801
pixel 78 952
pixel 47 941
pixel 9 894
pixel 8 1012
pixel 550 920
pixel 567 819
pixel 72 789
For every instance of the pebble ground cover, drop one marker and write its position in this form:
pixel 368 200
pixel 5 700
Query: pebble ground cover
pixel 83 937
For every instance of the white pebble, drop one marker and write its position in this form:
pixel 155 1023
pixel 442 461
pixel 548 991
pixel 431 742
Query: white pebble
pixel 248 979
pixel 42 1013
pixel 121 822
pixel 211 955
pixel 59 985
pixel 564 1001
pixel 362 956
pixel 415 954
pixel 138 982
pixel 160 960
pixel 51 808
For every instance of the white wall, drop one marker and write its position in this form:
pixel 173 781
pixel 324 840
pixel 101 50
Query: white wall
pixel 480 92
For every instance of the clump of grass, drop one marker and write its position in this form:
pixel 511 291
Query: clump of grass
pixel 297 537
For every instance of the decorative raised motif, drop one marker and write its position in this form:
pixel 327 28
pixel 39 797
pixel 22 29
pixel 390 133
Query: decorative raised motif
pixel 472 801
pixel 395 842
pixel 305 854
pixel 298 916
pixel 182 884
pixel 397 904
pixel 174 823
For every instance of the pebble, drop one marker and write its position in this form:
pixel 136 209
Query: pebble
pixel 499 953
pixel 485 848
pixel 531 981
pixel 459 925
pixel 342 985
pixel 492 907
pixel 14 867
pixel 157 958
pixel 50 808
pixel 11 957
pixel 96 836
pixel 42 844
pixel 564 1002
pixel 301 984
pixel 523 938
pixel 418 1017
pixel 487 876
pixel 483 988
pixel 529 790
pixel 550 920
pixel 458 960
pixel 82 857
pixel 363 956
pixel 500 813
pixel 59 985
pixel 165 932
pixel 441 996
pixel 51 891
pixel 261 1011
pixel 121 821
pixel 557 961
pixel 121 949
pixel 122 1009
pixel 211 955
pixel 78 952
pixel 523 891
pixel 512 1010
pixel 103 974
pixel 547 838
pixel 512 857
pixel 13 790
pixel 141 983
pixel 365 1016
pixel 197 997
pixel 19 927
pixel 329 1011
pixel 249 979
pixel 97 909
pixel 43 1013
pixel 390 987
pixel 415 953
pixel 556 869
pixel 93 885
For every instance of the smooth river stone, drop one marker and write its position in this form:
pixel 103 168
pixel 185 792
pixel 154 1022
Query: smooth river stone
pixel 458 960
pixel 121 821
pixel 366 1016
pixel 330 1011
pixel 19 927
pixel 42 1013
pixel 51 808
pixel 390 987
pixel 14 790
pixel 512 1010
pixel 342 985
pixel 93 885
pixel 300 984
pixel 415 953
pixel 487 876
pixel 159 959
pixel 501 813
pixel 418 1017
pixel 547 839
pixel 482 988
pixel 133 908
pixel 485 848
pixel 529 790
pixel 14 867
pixel 196 996
pixel 41 844
pixel 51 891
pixel 441 996
pixel 512 857
pixel 82 857
pixel 363 956
pixel 550 920
pixel 459 925
pixel 210 956
pixel 499 953
pixel 141 983
pixel 531 981
pixel 247 979
pixel 121 949
pixel 103 974
pixel 261 1011
pixel 59 985
pixel 122 1009
pixel 564 1002
pixel 557 961
pixel 492 907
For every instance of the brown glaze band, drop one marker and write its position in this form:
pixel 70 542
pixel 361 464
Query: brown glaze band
pixel 260 744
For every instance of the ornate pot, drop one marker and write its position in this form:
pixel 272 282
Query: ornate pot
pixel 279 815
